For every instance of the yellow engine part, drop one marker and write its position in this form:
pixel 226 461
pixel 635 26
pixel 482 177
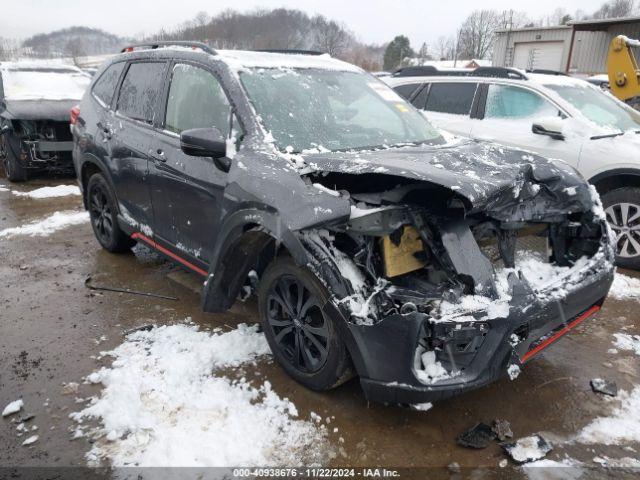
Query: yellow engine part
pixel 400 259
pixel 622 68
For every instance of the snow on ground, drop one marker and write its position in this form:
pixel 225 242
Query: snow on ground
pixel 624 341
pixel 48 225
pixel 49 192
pixel 164 404
pixel 623 423
pixel 566 469
pixel 625 287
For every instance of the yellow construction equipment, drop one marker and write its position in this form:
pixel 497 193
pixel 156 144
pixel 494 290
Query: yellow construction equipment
pixel 622 68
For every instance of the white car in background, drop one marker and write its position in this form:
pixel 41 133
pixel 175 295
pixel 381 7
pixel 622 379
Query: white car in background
pixel 552 114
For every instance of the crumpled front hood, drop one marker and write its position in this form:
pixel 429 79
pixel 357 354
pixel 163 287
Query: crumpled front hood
pixel 486 175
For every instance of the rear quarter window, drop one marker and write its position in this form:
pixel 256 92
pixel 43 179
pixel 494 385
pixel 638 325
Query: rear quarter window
pixel 455 98
pixel 140 91
pixel 105 86
pixel 405 91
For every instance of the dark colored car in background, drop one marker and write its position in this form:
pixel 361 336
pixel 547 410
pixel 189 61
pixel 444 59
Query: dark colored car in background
pixel 35 100
pixel 424 267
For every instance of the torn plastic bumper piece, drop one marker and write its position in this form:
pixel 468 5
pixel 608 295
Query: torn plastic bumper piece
pixel 476 353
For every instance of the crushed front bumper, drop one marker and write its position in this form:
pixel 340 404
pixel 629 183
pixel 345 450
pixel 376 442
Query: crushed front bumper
pixel 474 352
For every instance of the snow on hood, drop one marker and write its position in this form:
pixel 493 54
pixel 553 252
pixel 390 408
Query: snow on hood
pixel 480 172
pixel 43 82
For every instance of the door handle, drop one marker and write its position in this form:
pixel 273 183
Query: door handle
pixel 158 155
pixel 105 130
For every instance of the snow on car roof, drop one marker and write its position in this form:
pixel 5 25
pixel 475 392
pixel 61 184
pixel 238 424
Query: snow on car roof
pixel 557 80
pixel 248 59
pixel 42 80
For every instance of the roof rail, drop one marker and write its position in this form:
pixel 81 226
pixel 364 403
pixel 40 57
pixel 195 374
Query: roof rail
pixel 289 52
pixel 169 43
pixel 431 71
pixel 544 71
pixel 499 72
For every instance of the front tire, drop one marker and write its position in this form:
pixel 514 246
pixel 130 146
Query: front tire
pixel 14 170
pixel 622 207
pixel 303 339
pixel 103 213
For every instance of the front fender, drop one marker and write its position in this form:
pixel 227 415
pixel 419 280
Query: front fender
pixel 243 237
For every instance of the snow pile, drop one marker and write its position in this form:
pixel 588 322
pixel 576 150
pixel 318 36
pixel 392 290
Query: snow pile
pixel 162 406
pixel 13 407
pixel 528 449
pixel 47 226
pixel 625 341
pixel 622 425
pixel 624 462
pixel 493 308
pixel 625 287
pixel 50 192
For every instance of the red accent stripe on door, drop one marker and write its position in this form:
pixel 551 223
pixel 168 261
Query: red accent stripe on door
pixel 169 253
pixel 560 333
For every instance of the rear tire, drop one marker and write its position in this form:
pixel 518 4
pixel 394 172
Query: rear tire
pixel 14 170
pixel 622 207
pixel 103 210
pixel 303 340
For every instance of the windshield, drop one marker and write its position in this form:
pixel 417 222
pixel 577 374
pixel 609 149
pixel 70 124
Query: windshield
pixel 44 84
pixel 325 109
pixel 599 107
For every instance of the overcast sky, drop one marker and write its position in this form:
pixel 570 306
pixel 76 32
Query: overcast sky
pixel 373 21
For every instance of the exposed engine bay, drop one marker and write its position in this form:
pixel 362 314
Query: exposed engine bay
pixel 44 143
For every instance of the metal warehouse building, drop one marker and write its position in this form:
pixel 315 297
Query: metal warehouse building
pixel 578 47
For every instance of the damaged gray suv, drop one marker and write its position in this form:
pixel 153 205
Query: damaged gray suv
pixel 378 248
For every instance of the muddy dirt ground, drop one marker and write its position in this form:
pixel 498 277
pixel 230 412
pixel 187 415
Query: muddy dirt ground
pixel 51 326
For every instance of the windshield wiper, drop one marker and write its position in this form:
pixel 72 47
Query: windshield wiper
pixel 608 135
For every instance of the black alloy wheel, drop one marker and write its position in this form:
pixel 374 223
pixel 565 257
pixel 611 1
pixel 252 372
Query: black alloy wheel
pixel 300 328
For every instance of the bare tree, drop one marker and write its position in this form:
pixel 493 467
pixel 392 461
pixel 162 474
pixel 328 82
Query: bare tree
pixel 477 34
pixel 510 19
pixel 200 22
pixel 329 36
pixel 615 9
pixel 445 47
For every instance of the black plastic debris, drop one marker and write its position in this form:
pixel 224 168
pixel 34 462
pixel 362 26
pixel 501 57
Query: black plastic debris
pixel 502 429
pixel 527 449
pixel 142 328
pixel 479 436
pixel 606 387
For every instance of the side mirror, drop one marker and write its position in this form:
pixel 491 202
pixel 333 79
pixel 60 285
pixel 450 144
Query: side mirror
pixel 551 127
pixel 4 130
pixel 206 142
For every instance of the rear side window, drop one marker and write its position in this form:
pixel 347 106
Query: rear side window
pixel 453 98
pixel 196 100
pixel 505 101
pixel 405 91
pixel 140 91
pixel 105 87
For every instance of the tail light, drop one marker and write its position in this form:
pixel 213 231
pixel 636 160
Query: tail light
pixel 75 113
